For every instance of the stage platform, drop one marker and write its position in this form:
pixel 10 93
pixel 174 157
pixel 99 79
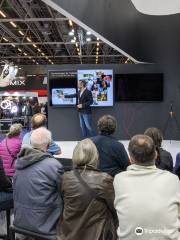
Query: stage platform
pixel 67 147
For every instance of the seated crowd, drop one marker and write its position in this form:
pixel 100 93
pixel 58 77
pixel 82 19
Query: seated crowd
pixel 107 195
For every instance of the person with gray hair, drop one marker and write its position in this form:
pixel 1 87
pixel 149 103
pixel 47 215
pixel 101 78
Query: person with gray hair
pixel 112 154
pixel 88 198
pixel 10 147
pixel 37 195
pixel 146 207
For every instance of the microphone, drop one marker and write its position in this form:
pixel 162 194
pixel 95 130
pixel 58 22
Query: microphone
pixel 171 110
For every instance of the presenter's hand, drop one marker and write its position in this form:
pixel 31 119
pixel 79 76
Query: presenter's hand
pixel 79 106
pixel 61 96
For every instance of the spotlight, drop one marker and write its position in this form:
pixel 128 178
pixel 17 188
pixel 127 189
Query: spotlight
pixel 71 33
pixel 13 24
pixel 21 33
pixel 70 23
pixel 88 39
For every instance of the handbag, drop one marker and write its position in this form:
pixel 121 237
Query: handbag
pixel 11 154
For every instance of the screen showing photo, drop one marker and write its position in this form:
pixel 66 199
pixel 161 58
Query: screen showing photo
pixel 58 99
pixel 100 83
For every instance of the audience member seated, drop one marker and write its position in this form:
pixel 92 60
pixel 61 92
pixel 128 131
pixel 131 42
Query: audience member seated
pixel 164 159
pixel 89 213
pixel 6 195
pixel 37 121
pixel 37 197
pixel 112 154
pixel 177 166
pixel 147 199
pixel 10 147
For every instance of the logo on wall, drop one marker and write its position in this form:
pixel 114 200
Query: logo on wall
pixel 6 104
pixel 8 75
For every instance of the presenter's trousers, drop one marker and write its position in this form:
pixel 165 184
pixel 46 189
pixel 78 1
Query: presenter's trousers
pixel 86 125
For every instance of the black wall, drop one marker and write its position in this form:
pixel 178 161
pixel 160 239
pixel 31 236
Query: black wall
pixel 146 38
pixel 132 118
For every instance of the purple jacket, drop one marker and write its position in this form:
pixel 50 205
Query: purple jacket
pixel 14 146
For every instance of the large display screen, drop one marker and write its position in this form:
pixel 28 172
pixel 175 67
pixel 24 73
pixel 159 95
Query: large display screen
pixel 100 83
pixel 57 98
pixel 62 83
pixel 144 87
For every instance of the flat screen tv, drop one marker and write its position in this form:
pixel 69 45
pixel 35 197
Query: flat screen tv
pixel 62 83
pixel 100 83
pixel 57 96
pixel 141 87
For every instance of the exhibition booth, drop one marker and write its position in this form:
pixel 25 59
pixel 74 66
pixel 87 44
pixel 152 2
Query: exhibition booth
pixel 16 91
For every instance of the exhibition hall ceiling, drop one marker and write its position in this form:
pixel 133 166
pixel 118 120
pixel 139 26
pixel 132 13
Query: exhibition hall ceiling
pixel 146 31
pixel 31 32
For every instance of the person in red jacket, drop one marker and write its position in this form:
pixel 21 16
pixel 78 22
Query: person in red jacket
pixel 9 149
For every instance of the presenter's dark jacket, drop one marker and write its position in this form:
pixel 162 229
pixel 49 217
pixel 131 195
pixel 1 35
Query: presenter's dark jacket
pixel 85 99
pixel 112 154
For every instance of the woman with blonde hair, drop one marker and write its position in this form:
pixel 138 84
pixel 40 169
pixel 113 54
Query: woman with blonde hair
pixel 10 147
pixel 88 198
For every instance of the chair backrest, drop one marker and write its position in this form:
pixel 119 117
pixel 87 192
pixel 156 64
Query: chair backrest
pixel 28 233
pixel 66 162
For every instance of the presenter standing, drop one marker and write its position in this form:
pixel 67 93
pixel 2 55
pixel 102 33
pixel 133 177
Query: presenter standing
pixel 85 100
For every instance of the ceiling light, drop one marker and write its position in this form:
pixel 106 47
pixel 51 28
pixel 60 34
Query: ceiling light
pixel 88 39
pixel 88 33
pixel 74 38
pixel 42 54
pixel 71 33
pixel 97 43
pixel 33 60
pixel 21 33
pixel 29 40
pixel 49 60
pixel 73 41
pixel 29 57
pixel 46 57
pixel 2 14
pixel 5 39
pixel 13 24
pixel 34 45
pixel 78 49
pixel 79 53
pixel 97 49
pixel 70 23
pixel 52 63
pixel 39 50
pixel 19 50
pixel 37 63
pixel 13 45
pixel 97 39
pixel 25 53
pixel 97 53
pixel 76 44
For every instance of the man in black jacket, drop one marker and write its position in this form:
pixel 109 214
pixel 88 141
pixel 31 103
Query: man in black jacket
pixel 85 100
pixel 112 154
